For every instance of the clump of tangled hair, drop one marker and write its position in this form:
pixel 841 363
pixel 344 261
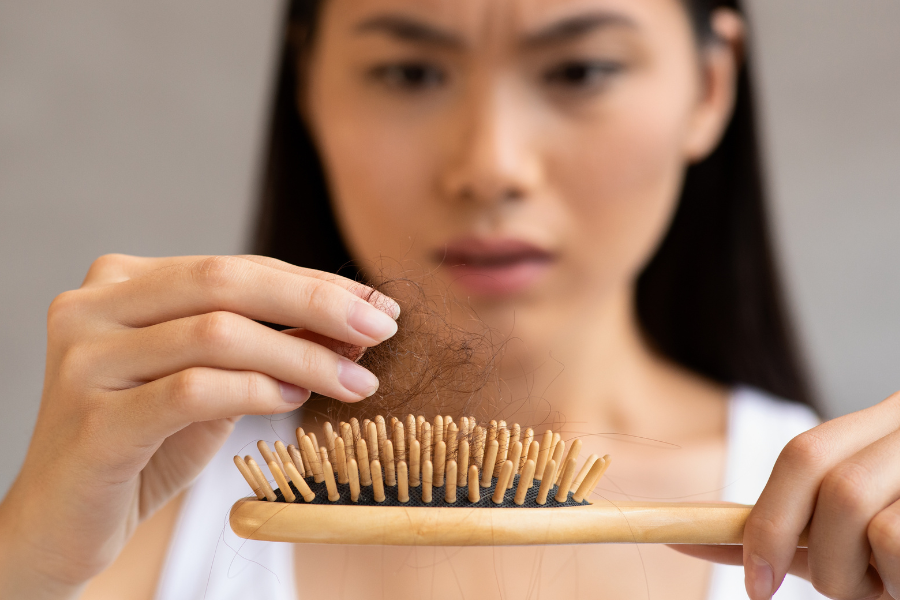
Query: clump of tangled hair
pixel 430 366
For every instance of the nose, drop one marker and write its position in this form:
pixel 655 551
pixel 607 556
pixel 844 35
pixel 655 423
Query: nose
pixel 494 157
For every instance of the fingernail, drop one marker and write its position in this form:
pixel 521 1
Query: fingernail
pixel 293 394
pixel 760 578
pixel 356 379
pixel 371 322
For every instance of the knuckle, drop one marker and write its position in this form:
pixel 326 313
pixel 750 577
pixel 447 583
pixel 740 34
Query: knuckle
pixel 846 486
pixel 884 534
pixel 214 272
pixel 762 528
pixel 256 388
pixel 217 330
pixel 188 387
pixel 106 263
pixel 807 451
pixel 319 295
pixel 63 310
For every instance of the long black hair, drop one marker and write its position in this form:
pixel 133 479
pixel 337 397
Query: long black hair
pixel 709 299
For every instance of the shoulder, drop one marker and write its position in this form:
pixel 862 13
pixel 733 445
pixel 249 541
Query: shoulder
pixel 759 426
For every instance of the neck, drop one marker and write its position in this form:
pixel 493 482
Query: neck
pixel 601 374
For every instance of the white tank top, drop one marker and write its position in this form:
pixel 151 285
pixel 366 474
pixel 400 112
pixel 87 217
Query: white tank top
pixel 207 560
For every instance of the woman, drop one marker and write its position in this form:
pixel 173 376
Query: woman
pixel 580 173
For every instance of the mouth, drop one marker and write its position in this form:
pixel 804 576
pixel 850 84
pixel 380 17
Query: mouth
pixel 495 267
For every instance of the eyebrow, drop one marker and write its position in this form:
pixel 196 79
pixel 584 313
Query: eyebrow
pixel 409 30
pixel 577 26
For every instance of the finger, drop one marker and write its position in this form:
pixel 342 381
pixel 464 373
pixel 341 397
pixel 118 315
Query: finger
pixel 789 498
pixel 146 415
pixel 734 555
pixel 884 536
pixel 348 351
pixel 117 268
pixel 378 299
pixel 225 340
pixel 851 494
pixel 247 288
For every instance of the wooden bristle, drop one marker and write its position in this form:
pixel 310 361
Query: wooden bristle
pixel 524 482
pixel 420 420
pixel 590 481
pixel 355 432
pixel 414 464
pixel 399 442
pixel 584 471
pixel 557 458
pixel 515 436
pixel 330 483
pixel 452 441
pixel 281 452
pixel 323 457
pixel 353 469
pixel 553 445
pixel 450 488
pixel 491 432
pixel 267 455
pixel 349 442
pixel 464 428
pixel 474 488
pixel 427 473
pixel 447 420
pixel 410 427
pixel 390 476
pixel 543 455
pixel 340 455
pixel 312 457
pixel 329 442
pixel 364 428
pixel 381 429
pixel 534 450
pixel 249 477
pixel 506 472
pixel 502 450
pixel 372 441
pixel 526 448
pixel 514 455
pixel 307 494
pixel 477 451
pixel 437 431
pixel 297 460
pixel 546 482
pixel 364 458
pixel 427 447
pixel 281 480
pixel 462 462
pixel 574 451
pixel 268 492
pixel 440 461
pixel 568 474
pixel 490 456
pixel 300 433
pixel 402 481
pixel 377 481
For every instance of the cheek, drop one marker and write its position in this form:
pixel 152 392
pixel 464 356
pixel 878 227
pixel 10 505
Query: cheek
pixel 380 178
pixel 620 177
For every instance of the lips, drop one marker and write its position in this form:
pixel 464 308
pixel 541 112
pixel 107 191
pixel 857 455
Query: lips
pixel 495 267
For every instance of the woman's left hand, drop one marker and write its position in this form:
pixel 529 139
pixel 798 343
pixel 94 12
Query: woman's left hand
pixel 842 479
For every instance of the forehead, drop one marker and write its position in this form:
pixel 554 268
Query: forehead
pixel 474 19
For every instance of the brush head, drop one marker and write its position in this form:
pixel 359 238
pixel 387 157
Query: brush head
pixel 421 463
pixel 367 497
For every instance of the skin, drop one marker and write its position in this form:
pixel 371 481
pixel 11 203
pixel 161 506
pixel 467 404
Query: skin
pixel 151 360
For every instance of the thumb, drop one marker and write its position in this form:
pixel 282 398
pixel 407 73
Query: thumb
pixel 734 555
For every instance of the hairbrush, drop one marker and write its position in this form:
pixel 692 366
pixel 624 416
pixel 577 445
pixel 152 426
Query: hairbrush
pixel 421 483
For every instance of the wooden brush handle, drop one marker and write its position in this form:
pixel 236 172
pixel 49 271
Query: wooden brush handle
pixel 606 522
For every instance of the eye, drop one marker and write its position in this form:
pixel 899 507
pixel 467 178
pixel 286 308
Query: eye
pixel 582 74
pixel 411 76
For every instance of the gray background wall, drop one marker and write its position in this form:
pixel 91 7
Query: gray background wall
pixel 135 127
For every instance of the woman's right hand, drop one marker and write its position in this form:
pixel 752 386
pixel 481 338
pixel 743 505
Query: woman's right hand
pixel 149 365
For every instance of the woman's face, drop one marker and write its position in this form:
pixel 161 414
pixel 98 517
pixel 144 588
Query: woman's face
pixel 528 153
